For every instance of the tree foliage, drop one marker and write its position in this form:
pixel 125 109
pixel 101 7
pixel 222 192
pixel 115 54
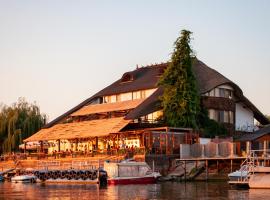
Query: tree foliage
pixel 18 122
pixel 180 100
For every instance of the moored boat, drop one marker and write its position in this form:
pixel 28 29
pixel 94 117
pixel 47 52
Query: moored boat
pixel 239 174
pixel 255 174
pixel 24 179
pixel 130 173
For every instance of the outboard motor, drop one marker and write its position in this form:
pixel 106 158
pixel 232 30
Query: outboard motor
pixel 102 177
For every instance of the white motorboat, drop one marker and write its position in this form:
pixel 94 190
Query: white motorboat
pixel 255 173
pixel 24 179
pixel 240 174
pixel 130 172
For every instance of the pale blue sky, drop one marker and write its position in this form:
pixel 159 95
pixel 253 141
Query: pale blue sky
pixel 59 53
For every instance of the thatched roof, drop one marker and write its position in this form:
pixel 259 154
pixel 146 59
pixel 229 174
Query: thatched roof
pixel 147 78
pixel 85 129
pixel 107 107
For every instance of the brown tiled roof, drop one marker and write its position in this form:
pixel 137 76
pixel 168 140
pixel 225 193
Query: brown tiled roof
pixel 255 135
pixel 85 129
pixel 147 78
pixel 108 107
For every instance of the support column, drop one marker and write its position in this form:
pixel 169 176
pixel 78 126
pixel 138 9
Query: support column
pixel 41 147
pixel 185 166
pixel 264 148
pixel 232 149
pixel 166 142
pixel 96 143
pixel 248 147
pixel 24 149
pixel 217 150
pixel 59 145
pixel 206 169
pixel 203 150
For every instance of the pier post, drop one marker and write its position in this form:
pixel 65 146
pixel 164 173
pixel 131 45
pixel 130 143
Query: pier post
pixel 206 169
pixel 232 150
pixel 185 166
pixel 203 150
pixel 217 151
pixel 248 147
pixel 264 147
pixel 231 164
pixel 59 145
pixel 24 149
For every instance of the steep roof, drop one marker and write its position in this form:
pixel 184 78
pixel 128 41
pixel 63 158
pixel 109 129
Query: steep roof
pixel 85 129
pixel 147 78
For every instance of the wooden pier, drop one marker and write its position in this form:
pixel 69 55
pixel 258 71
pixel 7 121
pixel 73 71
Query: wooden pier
pixel 231 161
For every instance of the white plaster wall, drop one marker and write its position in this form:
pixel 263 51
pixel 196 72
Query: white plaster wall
pixel 244 118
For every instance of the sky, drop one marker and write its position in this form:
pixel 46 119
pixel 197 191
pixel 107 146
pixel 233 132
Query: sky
pixel 59 53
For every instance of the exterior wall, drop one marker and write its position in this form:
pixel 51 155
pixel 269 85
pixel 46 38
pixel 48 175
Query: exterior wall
pixel 244 118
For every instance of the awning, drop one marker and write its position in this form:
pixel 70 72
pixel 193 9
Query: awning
pixel 108 107
pixel 85 129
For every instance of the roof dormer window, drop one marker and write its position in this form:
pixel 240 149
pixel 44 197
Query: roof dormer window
pixel 127 77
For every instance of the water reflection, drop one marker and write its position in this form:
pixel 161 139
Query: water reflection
pixel 194 190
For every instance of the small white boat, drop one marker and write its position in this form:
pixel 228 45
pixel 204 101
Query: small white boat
pixel 130 172
pixel 240 174
pixel 24 179
pixel 254 174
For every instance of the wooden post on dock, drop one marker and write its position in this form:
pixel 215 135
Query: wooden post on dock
pixel 206 169
pixel 59 145
pixel 24 149
pixel 185 166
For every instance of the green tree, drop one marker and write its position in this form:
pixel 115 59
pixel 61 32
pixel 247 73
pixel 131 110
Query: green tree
pixel 18 122
pixel 180 100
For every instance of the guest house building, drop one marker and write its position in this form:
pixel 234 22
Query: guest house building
pixel 127 112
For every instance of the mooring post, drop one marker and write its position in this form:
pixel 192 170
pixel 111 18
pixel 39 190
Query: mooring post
pixel 206 168
pixel 185 166
pixel 231 164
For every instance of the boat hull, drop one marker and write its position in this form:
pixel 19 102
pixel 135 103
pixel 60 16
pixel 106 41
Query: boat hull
pixel 24 179
pixel 259 180
pixel 132 180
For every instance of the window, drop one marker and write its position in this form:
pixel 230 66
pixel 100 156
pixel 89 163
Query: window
pixel 225 93
pixel 221 116
pixel 220 92
pixel 136 95
pixel 126 96
pixel 143 94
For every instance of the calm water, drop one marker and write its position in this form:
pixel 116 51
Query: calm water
pixel 194 190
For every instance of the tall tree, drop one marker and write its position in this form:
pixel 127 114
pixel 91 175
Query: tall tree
pixel 180 101
pixel 18 122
